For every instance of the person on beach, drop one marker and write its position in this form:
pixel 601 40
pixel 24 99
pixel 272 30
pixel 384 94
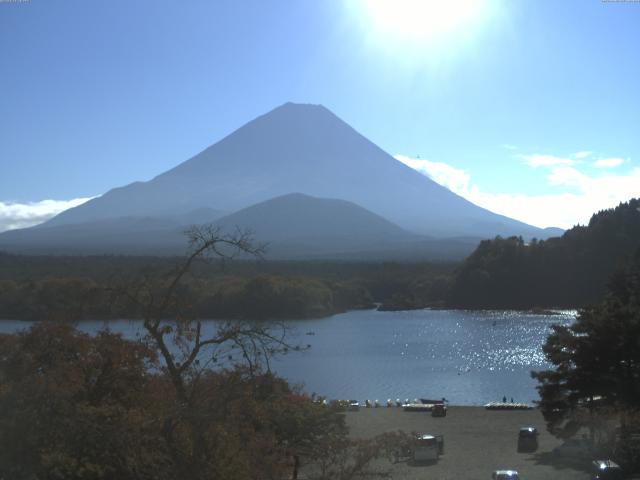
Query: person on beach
pixel 504 399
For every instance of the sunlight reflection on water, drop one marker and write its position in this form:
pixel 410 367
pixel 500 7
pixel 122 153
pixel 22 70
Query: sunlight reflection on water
pixel 469 357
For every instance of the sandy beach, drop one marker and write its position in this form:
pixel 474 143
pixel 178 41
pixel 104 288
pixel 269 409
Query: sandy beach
pixel 477 442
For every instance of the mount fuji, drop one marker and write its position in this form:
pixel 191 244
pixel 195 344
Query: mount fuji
pixel 295 148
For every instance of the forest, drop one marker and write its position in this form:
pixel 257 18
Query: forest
pixel 81 287
pixel 571 271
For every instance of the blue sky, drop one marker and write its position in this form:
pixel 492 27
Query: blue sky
pixel 528 108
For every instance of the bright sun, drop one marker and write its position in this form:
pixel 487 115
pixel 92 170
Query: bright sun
pixel 421 19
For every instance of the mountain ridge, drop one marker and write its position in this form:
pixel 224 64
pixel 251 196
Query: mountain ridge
pixel 293 148
pixel 308 149
pixel 294 226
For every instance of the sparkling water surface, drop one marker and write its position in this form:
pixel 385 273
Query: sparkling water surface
pixel 468 357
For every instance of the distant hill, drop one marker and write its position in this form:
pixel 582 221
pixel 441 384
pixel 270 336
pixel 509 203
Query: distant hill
pixel 126 235
pixel 306 149
pixel 293 226
pixel 304 224
pixel 299 217
pixel 130 235
pixel 551 232
pixel 568 271
pixel 301 226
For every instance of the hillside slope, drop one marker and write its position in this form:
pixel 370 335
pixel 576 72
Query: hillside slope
pixel 568 271
pixel 306 149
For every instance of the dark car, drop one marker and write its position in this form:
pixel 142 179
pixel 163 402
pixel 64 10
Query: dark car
pixel 606 470
pixel 528 439
pixel 439 410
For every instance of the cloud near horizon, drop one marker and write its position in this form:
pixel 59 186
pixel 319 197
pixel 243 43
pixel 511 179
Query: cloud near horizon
pixel 538 160
pixel 21 215
pixel 608 162
pixel 589 193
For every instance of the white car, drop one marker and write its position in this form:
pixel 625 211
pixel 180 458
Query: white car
pixel 606 470
pixel 505 475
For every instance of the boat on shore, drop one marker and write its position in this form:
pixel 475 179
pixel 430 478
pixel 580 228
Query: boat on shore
pixel 507 406
pixel 417 407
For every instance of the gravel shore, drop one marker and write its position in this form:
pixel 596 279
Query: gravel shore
pixel 477 442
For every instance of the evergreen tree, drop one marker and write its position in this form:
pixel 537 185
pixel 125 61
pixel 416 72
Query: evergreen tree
pixel 596 360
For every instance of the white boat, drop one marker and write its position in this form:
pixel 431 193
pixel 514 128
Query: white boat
pixel 507 406
pixel 417 407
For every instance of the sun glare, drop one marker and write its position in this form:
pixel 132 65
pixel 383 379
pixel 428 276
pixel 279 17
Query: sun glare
pixel 421 19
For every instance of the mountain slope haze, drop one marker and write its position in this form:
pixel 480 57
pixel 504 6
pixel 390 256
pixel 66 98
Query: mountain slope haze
pixel 307 149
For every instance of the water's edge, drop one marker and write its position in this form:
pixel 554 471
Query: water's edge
pixel 468 357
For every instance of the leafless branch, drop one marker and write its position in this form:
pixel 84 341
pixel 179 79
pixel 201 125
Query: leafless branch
pixel 160 300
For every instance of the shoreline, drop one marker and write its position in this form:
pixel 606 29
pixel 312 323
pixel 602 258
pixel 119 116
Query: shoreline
pixel 536 311
pixel 476 442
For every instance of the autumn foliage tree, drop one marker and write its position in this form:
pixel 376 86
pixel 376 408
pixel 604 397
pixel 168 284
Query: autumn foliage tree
pixel 186 400
pixel 75 406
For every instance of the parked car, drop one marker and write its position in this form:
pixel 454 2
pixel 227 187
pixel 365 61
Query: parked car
pixel 505 475
pixel 354 406
pixel 606 470
pixel 574 448
pixel 439 410
pixel 528 439
pixel 426 448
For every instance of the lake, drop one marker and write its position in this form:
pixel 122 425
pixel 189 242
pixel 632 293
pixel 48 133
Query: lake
pixel 468 357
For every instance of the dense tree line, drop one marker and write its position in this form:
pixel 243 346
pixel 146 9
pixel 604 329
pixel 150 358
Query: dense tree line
pixel 77 287
pixel 262 297
pixel 382 276
pixel 568 271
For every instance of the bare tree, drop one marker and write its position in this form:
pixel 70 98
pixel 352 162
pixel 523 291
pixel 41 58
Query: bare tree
pixel 174 330
pixel 189 349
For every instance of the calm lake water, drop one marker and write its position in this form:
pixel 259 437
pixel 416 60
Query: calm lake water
pixel 468 357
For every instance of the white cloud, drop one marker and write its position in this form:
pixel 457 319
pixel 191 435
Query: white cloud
pixel 453 178
pixel 539 160
pixel 589 193
pixel 21 215
pixel 566 176
pixel 583 154
pixel 608 162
